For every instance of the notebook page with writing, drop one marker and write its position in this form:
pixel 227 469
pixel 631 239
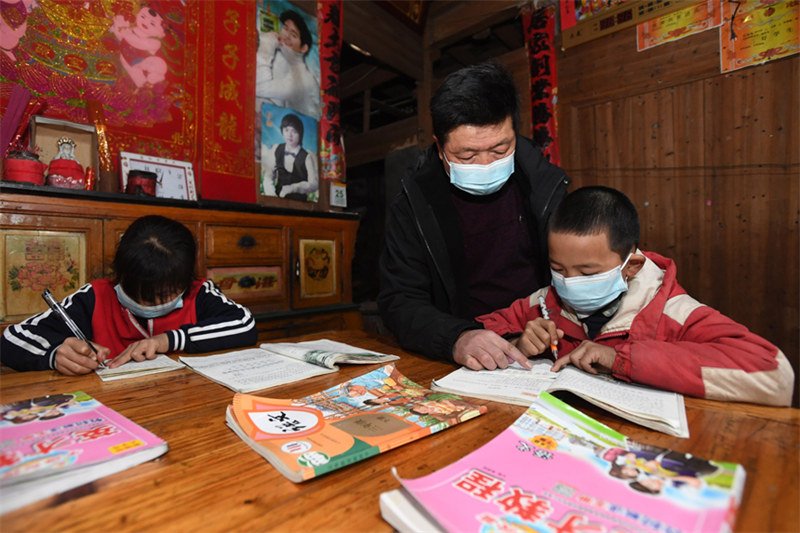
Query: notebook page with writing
pixel 252 369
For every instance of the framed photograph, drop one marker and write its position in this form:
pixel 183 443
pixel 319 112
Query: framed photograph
pixel 175 178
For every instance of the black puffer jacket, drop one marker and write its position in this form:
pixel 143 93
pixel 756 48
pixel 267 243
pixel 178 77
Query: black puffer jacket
pixel 423 296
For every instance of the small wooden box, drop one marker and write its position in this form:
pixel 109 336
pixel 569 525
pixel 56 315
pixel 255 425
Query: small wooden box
pixel 45 133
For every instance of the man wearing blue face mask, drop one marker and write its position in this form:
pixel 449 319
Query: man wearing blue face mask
pixel 466 234
pixel 154 305
pixel 617 310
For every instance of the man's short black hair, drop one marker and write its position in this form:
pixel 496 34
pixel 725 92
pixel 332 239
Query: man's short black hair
pixel 155 259
pixel 598 209
pixel 294 121
pixel 302 27
pixel 478 95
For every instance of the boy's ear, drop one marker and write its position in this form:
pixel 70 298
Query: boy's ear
pixel 635 264
pixel 304 49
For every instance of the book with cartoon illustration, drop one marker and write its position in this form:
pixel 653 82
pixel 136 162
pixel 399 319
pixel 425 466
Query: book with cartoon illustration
pixel 278 363
pixel 652 408
pixel 556 469
pixel 51 444
pixel 370 414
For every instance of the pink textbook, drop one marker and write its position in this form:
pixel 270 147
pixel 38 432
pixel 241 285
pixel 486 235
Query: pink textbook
pixel 51 444
pixel 556 469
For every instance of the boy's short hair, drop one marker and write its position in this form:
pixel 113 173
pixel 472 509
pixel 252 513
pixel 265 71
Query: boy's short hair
pixel 597 209
pixel 302 27
pixel 155 259
pixel 478 95
pixel 293 121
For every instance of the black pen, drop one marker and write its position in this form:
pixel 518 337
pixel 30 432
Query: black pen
pixel 73 327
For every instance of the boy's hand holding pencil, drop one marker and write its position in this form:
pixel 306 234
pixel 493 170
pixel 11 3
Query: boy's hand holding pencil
pixel 540 335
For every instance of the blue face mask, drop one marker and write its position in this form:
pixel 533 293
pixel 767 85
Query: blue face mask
pixel 481 180
pixel 588 294
pixel 147 311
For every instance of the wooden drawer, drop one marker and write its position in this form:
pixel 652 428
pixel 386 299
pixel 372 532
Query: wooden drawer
pixel 226 245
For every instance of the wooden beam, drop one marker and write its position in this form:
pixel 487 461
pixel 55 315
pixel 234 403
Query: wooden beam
pixel 363 77
pixel 467 18
pixel 367 110
pixel 373 29
pixel 375 144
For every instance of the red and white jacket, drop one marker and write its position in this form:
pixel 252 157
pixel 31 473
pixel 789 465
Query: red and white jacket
pixel 666 339
pixel 208 321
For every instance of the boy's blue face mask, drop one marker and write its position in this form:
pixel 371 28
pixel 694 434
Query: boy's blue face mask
pixel 147 311
pixel 588 294
pixel 481 180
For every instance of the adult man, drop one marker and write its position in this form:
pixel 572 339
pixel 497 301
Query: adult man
pixel 466 232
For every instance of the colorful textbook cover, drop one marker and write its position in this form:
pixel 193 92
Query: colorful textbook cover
pixel 51 444
pixel 556 469
pixel 365 416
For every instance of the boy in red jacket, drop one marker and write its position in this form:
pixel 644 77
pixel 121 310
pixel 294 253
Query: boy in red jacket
pixel 617 310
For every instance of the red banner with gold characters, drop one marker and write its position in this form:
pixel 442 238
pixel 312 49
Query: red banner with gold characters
pixel 539 28
pixel 331 153
pixel 228 77
pixel 134 61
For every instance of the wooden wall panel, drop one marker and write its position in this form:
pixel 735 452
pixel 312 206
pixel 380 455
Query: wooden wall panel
pixel 711 160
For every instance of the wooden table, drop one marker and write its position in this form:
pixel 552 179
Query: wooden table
pixel 210 480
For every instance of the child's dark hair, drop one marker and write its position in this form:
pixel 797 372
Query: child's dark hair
pixel 155 259
pixel 293 121
pixel 598 209
pixel 478 95
pixel 302 27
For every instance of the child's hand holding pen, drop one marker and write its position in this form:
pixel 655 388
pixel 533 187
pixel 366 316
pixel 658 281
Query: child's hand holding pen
pixel 75 357
pixel 540 335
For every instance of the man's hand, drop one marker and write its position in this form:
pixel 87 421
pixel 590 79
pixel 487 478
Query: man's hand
pixel 74 357
pixel 140 350
pixel 589 356
pixel 480 348
pixel 538 336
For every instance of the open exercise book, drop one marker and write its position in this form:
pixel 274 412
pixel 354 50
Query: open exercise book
pixel 556 469
pixel 135 369
pixel 274 364
pixel 51 444
pixel 653 408
pixel 339 426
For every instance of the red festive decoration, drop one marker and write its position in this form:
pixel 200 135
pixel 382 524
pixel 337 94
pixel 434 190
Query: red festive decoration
pixel 539 31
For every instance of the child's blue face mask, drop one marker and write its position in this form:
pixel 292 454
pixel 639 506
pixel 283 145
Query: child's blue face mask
pixel 588 294
pixel 147 311
pixel 481 180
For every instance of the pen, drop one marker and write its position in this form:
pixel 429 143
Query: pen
pixel 546 316
pixel 73 327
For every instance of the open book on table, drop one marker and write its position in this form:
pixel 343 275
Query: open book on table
pixel 367 415
pixel 656 409
pixel 556 469
pixel 51 444
pixel 135 369
pixel 275 364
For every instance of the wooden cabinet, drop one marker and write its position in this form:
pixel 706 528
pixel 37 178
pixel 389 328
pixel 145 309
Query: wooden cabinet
pixel 291 270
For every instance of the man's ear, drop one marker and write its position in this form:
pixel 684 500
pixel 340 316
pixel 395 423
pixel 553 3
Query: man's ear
pixel 635 264
pixel 438 148
pixel 304 49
